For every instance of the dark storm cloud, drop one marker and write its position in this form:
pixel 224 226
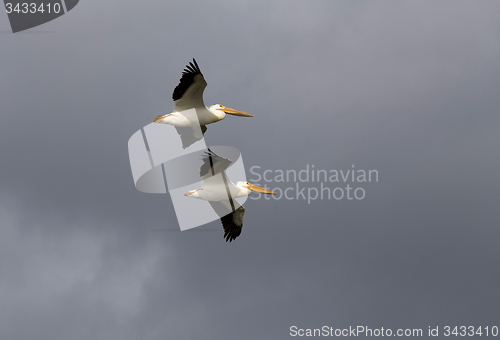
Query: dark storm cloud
pixel 409 89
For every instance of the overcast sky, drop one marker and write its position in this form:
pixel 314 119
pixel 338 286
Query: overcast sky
pixel 404 87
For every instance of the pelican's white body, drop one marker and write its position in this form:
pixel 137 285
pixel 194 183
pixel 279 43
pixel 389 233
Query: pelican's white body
pixel 205 116
pixel 214 189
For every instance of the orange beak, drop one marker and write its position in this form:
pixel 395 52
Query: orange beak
pixel 235 112
pixel 261 190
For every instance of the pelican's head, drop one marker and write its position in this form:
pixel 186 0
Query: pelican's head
pixel 219 107
pixel 250 187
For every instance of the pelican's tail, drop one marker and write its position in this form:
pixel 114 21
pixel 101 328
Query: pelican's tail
pixel 159 119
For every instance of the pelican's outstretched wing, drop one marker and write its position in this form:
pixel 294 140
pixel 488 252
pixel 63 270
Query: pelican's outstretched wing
pixel 213 164
pixel 232 222
pixel 189 93
pixel 190 135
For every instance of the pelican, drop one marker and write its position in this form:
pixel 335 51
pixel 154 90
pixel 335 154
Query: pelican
pixel 220 192
pixel 188 95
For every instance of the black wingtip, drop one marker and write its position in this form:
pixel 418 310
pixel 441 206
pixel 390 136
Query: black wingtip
pixel 231 229
pixel 197 68
pixel 187 79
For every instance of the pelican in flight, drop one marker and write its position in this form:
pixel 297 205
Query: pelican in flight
pixel 220 192
pixel 188 95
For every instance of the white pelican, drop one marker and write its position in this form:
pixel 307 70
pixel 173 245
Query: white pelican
pixel 220 192
pixel 189 95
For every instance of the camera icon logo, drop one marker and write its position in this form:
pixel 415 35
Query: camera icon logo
pixel 26 14
pixel 160 164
